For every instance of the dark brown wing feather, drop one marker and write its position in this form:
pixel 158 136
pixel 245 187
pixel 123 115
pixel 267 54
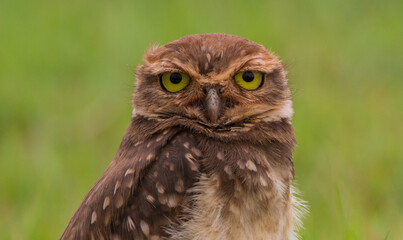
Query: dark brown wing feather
pixel 142 190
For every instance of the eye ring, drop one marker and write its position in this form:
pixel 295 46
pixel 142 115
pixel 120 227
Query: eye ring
pixel 174 81
pixel 249 80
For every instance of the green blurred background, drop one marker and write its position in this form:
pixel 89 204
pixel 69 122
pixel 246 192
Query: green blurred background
pixel 66 71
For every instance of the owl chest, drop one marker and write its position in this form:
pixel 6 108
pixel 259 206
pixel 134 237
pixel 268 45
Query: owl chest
pixel 239 197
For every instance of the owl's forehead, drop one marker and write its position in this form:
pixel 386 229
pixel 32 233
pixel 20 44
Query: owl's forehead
pixel 211 54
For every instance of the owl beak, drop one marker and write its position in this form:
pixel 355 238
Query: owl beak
pixel 212 103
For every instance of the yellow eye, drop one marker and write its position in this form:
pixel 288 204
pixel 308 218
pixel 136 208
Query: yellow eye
pixel 250 80
pixel 174 81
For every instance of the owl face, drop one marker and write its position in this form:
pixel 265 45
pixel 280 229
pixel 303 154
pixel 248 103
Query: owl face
pixel 214 80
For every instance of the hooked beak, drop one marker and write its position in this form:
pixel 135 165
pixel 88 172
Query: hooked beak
pixel 212 102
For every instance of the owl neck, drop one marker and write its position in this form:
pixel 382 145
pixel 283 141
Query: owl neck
pixel 257 157
pixel 260 133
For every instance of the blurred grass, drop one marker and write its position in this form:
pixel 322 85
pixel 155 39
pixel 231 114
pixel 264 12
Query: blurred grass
pixel 66 72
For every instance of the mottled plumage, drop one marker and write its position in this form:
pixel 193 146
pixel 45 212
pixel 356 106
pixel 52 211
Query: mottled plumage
pixel 211 161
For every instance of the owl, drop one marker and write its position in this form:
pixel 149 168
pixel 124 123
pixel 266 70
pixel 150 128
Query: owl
pixel 208 153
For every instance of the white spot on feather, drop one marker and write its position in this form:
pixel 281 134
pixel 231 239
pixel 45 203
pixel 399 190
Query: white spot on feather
pixel 173 200
pixel 150 199
pixel 129 171
pixel 227 170
pixel 196 151
pixel 240 164
pixel 106 203
pixel 93 217
pixel 150 156
pixel 130 224
pixel 119 201
pixel 192 162
pixel 159 138
pixel 251 166
pixel 117 185
pixel 179 186
pixel 263 181
pixel 160 188
pixel 145 228
pixel 129 184
pixel 208 56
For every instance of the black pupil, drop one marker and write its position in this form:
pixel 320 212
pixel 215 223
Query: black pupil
pixel 175 78
pixel 248 76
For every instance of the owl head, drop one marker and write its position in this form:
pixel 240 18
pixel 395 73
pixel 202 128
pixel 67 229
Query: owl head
pixel 213 81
